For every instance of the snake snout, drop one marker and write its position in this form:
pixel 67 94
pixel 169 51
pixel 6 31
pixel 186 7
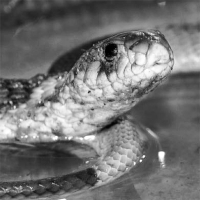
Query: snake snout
pixel 149 54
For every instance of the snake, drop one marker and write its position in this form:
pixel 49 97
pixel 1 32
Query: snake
pixel 87 105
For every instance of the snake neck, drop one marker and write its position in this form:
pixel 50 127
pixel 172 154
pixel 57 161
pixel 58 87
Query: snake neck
pixel 57 111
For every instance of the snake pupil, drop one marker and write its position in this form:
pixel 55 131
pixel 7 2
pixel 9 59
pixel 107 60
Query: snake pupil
pixel 110 51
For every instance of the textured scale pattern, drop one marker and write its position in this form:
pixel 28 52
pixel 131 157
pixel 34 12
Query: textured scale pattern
pixel 16 91
pixel 46 187
pixel 127 150
pixel 85 106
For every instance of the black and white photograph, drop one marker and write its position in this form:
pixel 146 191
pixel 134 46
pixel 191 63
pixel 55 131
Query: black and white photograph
pixel 99 99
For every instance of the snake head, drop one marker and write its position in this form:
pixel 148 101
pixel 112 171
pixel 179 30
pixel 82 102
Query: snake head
pixel 118 71
pixel 113 75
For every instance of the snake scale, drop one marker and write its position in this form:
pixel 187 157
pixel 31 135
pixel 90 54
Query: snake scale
pixel 86 105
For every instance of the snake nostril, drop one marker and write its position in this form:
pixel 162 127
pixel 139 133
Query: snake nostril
pixel 110 51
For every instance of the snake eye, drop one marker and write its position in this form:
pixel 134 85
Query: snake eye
pixel 110 51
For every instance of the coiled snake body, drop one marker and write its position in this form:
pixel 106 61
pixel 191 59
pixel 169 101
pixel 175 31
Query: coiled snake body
pixel 86 105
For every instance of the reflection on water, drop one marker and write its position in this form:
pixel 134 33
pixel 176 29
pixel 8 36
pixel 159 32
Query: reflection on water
pixel 32 162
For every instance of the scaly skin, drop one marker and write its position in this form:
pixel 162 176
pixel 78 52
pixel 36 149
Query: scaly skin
pixel 94 92
pixel 107 80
